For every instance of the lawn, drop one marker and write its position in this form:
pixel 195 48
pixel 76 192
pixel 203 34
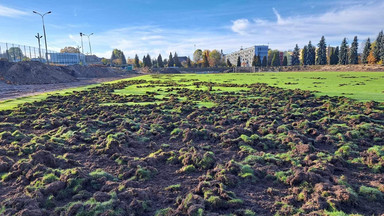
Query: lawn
pixel 362 86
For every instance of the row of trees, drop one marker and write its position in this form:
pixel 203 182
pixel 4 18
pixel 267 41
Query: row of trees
pixel 208 58
pixel 309 55
pixel 172 61
pixel 373 53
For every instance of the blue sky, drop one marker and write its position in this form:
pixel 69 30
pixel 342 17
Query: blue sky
pixel 152 26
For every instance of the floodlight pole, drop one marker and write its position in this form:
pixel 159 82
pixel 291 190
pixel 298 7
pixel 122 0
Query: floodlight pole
pixel 45 35
pixel 89 42
pixel 82 46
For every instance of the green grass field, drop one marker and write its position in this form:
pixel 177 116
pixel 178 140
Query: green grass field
pixel 362 86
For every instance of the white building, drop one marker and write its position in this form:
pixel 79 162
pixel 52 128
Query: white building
pixel 246 55
pixel 66 58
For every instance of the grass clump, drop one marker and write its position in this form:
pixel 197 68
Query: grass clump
pixel 372 194
pixel 99 173
pixel 174 187
pixel 282 176
pixel 164 212
pixel 188 169
pixel 216 202
pixel 49 178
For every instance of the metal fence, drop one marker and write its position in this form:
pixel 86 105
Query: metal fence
pixel 16 53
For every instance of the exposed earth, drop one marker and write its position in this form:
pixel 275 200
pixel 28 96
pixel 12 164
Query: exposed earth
pixel 208 149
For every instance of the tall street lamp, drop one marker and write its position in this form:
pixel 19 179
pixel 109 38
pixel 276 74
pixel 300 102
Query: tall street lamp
pixel 89 41
pixel 82 47
pixel 45 35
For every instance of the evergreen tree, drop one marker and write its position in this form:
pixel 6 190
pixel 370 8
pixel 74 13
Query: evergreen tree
pixel 258 61
pixel 343 54
pixel 154 63
pixel 137 61
pixel 189 65
pixel 229 63
pixel 334 58
pixel 238 61
pixel 170 60
pixel 176 60
pixel 165 62
pixel 160 63
pixel 276 59
pixel 382 50
pixel 269 58
pixel 331 56
pixel 305 55
pixel 264 62
pixel 337 53
pixel 321 55
pixel 254 60
pixel 353 55
pixel 145 63
pixel 295 56
pixel 149 61
pixel 377 53
pixel 367 50
pixel 311 54
pixel 285 61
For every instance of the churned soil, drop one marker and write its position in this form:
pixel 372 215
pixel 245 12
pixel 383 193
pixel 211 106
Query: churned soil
pixel 266 151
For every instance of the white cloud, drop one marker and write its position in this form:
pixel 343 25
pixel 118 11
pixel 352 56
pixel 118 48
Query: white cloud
pixel 361 19
pixel 280 21
pixel 240 26
pixel 10 12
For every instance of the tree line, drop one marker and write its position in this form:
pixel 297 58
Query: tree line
pixel 344 54
pixel 310 54
pixel 201 59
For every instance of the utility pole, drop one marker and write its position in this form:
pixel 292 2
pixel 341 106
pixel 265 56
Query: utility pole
pixel 79 54
pixel 82 46
pixel 38 39
pixel 45 35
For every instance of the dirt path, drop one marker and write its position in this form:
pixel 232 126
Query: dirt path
pixel 15 91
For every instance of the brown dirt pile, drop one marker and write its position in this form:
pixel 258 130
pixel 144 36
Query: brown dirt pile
pixel 37 73
pixel 24 73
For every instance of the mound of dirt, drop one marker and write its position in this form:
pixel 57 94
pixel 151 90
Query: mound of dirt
pixel 169 71
pixel 36 73
pixel 93 71
pixel 30 72
pixel 4 66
